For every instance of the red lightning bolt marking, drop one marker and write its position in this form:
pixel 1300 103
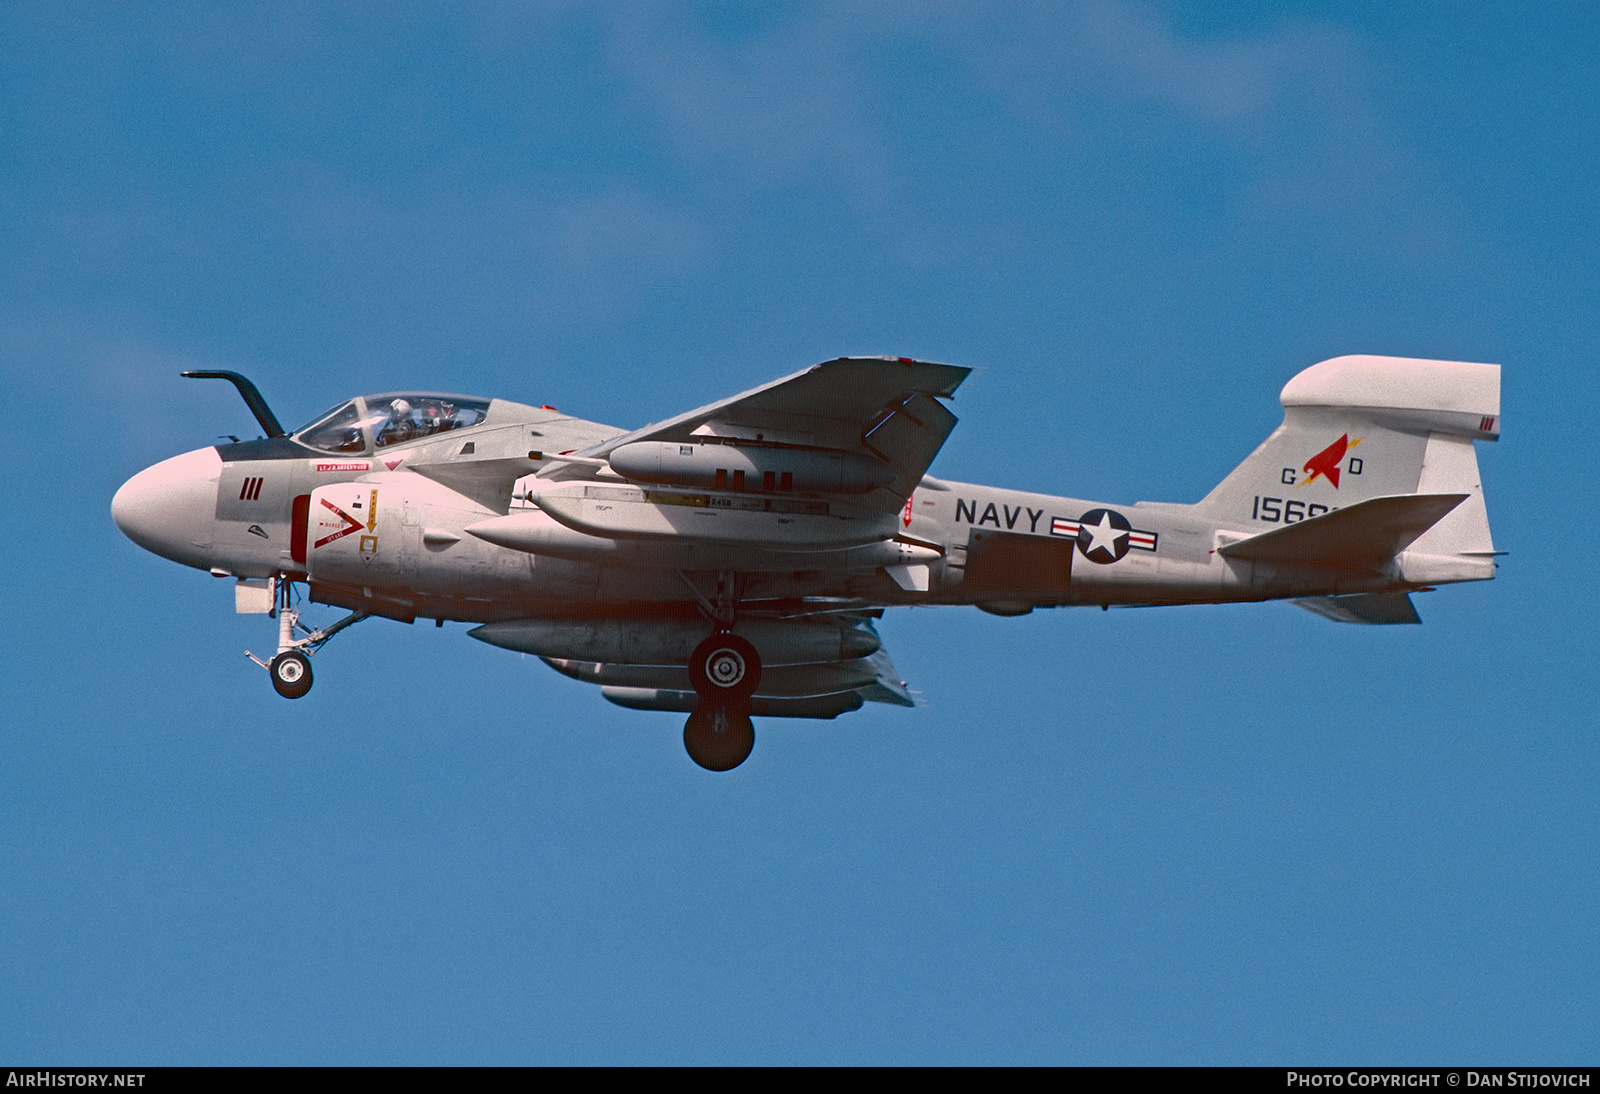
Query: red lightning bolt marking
pixel 351 525
pixel 1328 460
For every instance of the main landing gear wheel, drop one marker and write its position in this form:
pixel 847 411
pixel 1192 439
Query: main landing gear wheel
pixel 291 674
pixel 719 738
pixel 723 668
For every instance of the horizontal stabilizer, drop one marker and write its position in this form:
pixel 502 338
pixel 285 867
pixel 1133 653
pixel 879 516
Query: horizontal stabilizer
pixel 1376 608
pixel 1362 536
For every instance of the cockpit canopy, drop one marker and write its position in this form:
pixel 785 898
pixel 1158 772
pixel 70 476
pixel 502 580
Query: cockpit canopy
pixel 375 421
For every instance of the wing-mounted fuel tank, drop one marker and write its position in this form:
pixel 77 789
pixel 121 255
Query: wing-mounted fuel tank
pixel 776 521
pixel 657 641
pixel 777 681
pixel 536 532
pixel 684 702
pixel 763 468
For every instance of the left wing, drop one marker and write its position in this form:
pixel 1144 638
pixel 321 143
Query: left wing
pixel 813 689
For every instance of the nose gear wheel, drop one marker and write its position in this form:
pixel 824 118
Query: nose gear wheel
pixel 291 674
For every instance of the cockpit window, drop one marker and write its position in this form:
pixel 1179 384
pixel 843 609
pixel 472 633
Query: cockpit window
pixel 397 419
pixel 391 419
pixel 337 431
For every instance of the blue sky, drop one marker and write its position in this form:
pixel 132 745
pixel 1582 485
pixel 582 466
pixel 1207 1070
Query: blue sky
pixel 1221 835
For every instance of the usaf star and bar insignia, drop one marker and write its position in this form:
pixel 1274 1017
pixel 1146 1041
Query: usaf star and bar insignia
pixel 1103 535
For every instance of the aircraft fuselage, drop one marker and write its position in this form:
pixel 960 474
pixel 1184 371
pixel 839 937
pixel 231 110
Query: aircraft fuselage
pixel 397 543
pixel 730 561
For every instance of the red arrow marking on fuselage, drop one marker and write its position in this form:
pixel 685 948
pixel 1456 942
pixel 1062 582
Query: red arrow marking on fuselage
pixel 351 525
pixel 1328 460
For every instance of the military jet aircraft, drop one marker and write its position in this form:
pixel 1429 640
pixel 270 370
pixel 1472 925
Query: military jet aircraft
pixel 730 562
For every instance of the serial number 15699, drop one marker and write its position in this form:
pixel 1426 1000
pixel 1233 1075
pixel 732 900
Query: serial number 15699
pixel 1274 510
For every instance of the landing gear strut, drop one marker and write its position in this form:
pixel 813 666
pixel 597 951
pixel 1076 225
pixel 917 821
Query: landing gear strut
pixel 724 670
pixel 290 669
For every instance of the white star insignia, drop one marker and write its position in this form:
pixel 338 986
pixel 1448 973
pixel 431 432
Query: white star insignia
pixel 1103 535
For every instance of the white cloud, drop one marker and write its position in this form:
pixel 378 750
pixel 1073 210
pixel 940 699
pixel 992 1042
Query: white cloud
pixel 765 111
pixel 1295 104
pixel 596 251
pixel 91 383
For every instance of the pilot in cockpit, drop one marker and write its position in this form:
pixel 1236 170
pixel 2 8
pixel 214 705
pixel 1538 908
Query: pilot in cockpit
pixel 398 428
pixel 393 420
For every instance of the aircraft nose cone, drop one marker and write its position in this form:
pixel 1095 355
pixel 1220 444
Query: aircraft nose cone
pixel 169 509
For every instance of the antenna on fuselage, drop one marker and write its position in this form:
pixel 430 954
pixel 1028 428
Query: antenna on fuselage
pixel 252 399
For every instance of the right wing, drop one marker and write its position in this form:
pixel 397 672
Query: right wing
pixel 885 408
pixel 821 460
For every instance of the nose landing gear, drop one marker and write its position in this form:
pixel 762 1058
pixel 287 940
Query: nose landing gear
pixel 290 668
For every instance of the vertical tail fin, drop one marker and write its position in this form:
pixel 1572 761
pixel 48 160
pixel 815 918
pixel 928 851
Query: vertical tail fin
pixel 1356 428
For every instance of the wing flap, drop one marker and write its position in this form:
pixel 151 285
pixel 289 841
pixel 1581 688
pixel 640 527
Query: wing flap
pixel 887 687
pixel 910 437
pixel 1363 536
